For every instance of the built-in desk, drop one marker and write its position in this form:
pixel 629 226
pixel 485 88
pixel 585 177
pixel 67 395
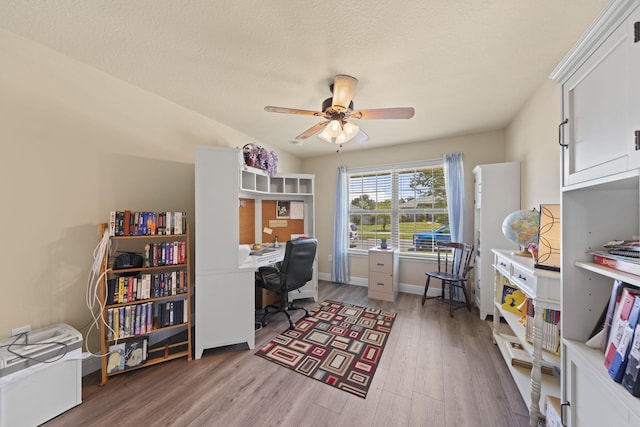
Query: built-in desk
pixel 224 280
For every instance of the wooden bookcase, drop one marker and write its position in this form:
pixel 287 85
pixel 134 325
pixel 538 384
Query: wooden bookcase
pixel 164 343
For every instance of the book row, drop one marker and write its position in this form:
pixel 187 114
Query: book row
pixel 621 334
pixel 139 319
pixel 164 253
pixel 550 327
pixel 144 286
pixel 130 223
pixel 128 354
pixel 515 301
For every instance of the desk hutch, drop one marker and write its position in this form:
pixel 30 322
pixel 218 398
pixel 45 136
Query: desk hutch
pixel 224 285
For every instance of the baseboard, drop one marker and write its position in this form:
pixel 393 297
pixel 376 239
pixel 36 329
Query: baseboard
pixel 90 364
pixel 406 288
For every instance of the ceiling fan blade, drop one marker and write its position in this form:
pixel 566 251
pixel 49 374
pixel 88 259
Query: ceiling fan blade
pixel 361 136
pixel 312 130
pixel 384 113
pixel 343 89
pixel 272 109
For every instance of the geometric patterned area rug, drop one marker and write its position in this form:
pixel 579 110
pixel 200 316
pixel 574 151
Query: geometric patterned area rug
pixel 339 344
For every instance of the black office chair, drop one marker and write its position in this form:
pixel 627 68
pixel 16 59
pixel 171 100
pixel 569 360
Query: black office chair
pixel 294 272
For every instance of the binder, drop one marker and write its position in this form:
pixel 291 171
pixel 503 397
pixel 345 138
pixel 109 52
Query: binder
pixel 631 379
pixel 619 323
pixel 620 357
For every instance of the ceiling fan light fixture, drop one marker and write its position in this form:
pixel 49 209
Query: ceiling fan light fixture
pixel 334 128
pixel 324 135
pixel 350 130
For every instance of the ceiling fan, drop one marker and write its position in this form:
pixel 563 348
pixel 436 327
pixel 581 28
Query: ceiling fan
pixel 337 110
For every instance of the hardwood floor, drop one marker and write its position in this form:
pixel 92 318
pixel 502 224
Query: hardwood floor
pixel 435 371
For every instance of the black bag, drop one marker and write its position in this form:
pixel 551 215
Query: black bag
pixel 128 260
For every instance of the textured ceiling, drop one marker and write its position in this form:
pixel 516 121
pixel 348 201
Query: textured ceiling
pixel 464 65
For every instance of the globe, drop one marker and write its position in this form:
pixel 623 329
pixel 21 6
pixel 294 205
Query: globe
pixel 521 227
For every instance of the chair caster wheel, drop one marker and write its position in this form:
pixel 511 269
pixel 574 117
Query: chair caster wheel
pixel 263 323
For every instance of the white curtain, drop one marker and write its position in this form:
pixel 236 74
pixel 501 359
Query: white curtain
pixel 454 183
pixel 340 265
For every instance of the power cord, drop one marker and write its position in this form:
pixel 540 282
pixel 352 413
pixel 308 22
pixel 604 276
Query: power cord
pixel 63 349
pixel 94 304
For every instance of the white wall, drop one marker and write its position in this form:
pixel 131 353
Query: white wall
pixel 532 140
pixel 76 144
pixel 487 147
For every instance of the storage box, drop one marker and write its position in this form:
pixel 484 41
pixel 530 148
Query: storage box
pixel 32 392
pixel 553 412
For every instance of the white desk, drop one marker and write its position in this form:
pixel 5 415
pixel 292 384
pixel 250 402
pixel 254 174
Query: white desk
pixel 261 258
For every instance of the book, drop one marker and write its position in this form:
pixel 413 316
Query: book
pixel 135 352
pixel 507 289
pixel 617 262
pixel 112 223
pixel 115 359
pixel 616 293
pixel 127 223
pixel 520 357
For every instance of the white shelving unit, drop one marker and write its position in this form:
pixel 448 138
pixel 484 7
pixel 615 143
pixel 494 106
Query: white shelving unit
pixel 497 194
pixel 600 202
pixel 543 288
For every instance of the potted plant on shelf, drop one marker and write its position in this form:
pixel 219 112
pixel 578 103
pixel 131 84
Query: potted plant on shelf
pixel 261 158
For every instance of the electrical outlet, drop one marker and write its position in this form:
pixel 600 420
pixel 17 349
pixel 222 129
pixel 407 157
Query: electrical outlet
pixel 21 330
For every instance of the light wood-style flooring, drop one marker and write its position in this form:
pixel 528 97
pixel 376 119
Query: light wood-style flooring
pixel 435 371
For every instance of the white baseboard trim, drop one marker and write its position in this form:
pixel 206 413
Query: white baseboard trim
pixel 406 288
pixel 90 364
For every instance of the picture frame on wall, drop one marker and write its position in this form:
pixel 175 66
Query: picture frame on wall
pixel 283 209
pixel 549 238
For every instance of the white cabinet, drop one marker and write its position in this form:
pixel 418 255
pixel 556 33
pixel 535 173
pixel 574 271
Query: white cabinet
pixel 383 274
pixel 633 28
pixel 589 393
pixel 543 288
pixel 224 293
pixel 497 194
pixel 600 202
pixel 598 79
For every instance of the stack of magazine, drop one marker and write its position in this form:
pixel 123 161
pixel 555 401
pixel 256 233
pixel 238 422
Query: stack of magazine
pixel 626 248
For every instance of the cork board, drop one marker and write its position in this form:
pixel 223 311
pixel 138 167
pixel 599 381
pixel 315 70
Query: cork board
pixel 247 215
pixel 283 228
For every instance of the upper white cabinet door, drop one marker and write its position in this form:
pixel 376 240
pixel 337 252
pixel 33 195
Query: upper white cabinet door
pixel 596 103
pixel 633 29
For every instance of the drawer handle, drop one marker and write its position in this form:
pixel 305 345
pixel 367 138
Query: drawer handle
pixel 380 264
pixel 636 31
pixel 520 276
pixel 564 122
pixel 503 264
pixel 637 140
pixel 380 284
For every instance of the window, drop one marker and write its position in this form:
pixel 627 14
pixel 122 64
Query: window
pixel 406 204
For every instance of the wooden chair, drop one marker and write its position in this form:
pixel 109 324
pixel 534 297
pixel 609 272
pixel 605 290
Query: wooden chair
pixel 454 263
